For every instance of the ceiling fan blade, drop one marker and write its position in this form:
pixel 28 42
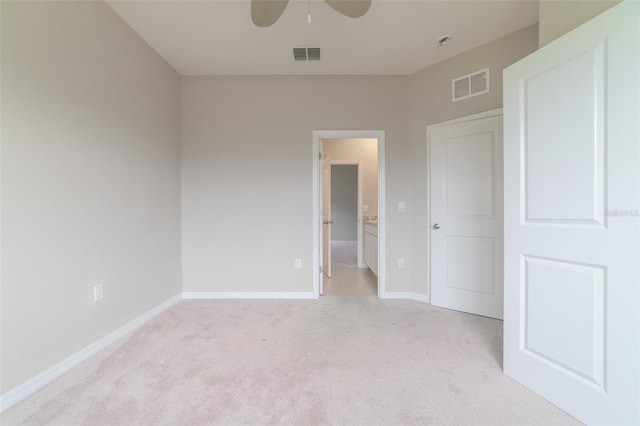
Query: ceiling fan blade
pixel 350 8
pixel 266 12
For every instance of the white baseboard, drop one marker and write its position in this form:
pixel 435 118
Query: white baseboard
pixel 405 295
pixel 246 295
pixel 21 392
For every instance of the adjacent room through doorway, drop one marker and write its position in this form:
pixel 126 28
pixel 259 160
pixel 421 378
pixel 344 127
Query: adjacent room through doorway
pixel 349 220
pixel 344 215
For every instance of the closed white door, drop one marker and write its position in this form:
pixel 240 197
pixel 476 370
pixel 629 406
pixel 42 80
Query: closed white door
pixel 572 222
pixel 466 216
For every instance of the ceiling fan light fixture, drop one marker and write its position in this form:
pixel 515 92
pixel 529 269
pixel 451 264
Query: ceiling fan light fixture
pixel 265 13
pixel 350 8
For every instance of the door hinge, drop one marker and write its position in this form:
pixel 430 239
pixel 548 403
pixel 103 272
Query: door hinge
pixel 321 269
pixel 319 156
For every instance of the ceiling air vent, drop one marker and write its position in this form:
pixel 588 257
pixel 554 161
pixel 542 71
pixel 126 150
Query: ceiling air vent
pixel 313 53
pixel 470 85
pixel 306 53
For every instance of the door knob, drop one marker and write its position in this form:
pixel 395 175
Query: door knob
pixel 436 226
pixel 328 222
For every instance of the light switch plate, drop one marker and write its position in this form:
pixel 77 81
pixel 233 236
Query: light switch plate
pixel 402 206
pixel 98 292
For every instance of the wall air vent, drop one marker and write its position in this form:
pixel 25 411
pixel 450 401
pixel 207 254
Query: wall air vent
pixel 470 85
pixel 306 53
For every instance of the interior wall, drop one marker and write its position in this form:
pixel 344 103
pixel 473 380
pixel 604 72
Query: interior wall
pixel 344 203
pixel 430 102
pixel 247 173
pixel 90 181
pixel 365 150
pixel 558 17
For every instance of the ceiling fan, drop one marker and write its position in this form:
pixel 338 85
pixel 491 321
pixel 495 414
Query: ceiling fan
pixel 265 13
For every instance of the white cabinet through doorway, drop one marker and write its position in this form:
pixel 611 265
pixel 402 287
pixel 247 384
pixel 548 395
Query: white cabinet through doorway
pixel 371 247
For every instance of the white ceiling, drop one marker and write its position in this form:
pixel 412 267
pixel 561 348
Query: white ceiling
pixel 217 37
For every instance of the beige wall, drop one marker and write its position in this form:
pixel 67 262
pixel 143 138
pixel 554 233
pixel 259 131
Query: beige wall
pixel 430 102
pixel 90 180
pixel 247 174
pixel 558 17
pixel 365 150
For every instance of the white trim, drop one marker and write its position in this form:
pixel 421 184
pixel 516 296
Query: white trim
pixel 359 222
pixel 317 136
pixel 32 385
pixel 472 117
pixel 247 295
pixel 406 295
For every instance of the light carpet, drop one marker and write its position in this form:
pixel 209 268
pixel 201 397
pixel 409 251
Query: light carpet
pixel 337 360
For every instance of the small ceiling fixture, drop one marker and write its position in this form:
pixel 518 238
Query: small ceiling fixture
pixel 444 40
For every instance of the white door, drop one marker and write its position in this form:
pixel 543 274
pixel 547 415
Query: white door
pixel 466 216
pixel 326 219
pixel 321 172
pixel 572 223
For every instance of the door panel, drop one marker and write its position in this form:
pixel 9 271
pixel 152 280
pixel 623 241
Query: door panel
pixel 567 158
pixel 550 320
pixel 466 207
pixel 479 254
pixel 469 175
pixel 572 222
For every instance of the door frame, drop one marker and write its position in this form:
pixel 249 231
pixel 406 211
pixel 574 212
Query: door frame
pixel 317 136
pixel 359 223
pixel 466 119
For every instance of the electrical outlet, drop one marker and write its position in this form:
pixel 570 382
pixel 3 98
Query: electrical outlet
pixel 297 264
pixel 400 263
pixel 98 292
pixel 402 206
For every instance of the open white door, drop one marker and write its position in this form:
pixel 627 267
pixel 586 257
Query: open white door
pixel 320 224
pixel 572 223
pixel 326 218
pixel 466 215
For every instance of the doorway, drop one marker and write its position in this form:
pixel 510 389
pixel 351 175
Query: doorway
pixel 349 189
pixel 342 213
pixel 339 157
pixel 345 199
